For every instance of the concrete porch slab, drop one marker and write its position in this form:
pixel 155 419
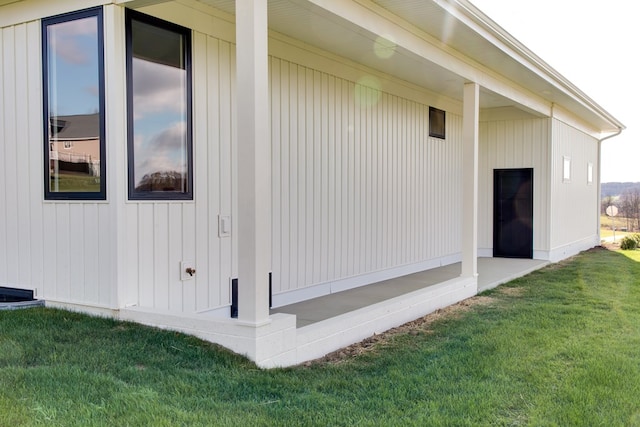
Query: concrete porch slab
pixel 492 272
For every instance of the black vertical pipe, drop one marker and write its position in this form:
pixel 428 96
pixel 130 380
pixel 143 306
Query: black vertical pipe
pixel 234 298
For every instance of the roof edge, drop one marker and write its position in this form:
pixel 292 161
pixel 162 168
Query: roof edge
pixel 478 20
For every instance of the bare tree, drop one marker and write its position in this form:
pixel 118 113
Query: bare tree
pixel 630 206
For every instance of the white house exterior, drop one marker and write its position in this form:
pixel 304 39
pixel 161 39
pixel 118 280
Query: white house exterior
pixel 327 144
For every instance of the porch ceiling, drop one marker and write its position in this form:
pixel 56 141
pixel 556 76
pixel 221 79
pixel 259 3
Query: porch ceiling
pixel 455 26
pixel 304 21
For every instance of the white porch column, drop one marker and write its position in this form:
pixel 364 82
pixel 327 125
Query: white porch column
pixel 254 162
pixel 471 116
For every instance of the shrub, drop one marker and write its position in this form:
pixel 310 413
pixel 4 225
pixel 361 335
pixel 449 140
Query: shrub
pixel 629 243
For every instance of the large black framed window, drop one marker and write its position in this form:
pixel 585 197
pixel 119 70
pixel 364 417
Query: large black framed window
pixel 159 109
pixel 73 89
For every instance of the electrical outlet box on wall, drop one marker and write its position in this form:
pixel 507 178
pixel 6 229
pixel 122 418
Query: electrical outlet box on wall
pixel 187 270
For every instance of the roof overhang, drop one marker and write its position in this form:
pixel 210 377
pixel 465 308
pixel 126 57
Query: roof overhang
pixel 526 68
pixel 438 45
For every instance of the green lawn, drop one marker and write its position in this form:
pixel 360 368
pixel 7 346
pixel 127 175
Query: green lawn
pixel 609 233
pixel 75 183
pixel 607 223
pixel 558 347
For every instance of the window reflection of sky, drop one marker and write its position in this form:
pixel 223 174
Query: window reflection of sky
pixel 73 66
pixel 73 105
pixel 159 118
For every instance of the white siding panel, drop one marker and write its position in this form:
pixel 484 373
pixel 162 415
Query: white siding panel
pixel 104 251
pixel 135 256
pixel 23 248
pixel 187 289
pixel 514 144
pixel 357 182
pixel 57 248
pixel 575 204
pixel 10 199
pixel 4 151
pixel 67 249
pixel 145 265
pixel 276 159
pixel 227 179
pixel 76 266
pixel 33 133
pixel 204 65
pixel 19 100
pixel 62 231
pixel 160 251
pixel 228 176
pixel 176 223
pixel 171 232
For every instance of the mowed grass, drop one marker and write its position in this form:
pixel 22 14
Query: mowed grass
pixel 619 235
pixel 607 223
pixel 559 347
pixel 76 183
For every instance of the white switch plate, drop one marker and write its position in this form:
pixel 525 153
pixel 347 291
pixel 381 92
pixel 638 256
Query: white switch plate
pixel 224 226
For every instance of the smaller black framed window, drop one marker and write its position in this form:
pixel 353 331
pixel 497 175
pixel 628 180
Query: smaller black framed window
pixel 437 123
pixel 158 56
pixel 73 104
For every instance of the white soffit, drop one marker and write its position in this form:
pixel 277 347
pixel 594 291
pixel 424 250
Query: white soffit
pixel 458 26
pixel 466 29
pixel 312 25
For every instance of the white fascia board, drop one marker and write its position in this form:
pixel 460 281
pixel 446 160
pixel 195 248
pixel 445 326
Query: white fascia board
pixel 566 116
pixel 472 17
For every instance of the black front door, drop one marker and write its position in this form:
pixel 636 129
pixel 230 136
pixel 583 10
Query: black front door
pixel 513 213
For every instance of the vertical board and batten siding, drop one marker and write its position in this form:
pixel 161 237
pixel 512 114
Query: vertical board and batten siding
pixel 162 234
pixel 574 202
pixel 360 188
pixel 62 250
pixel 68 251
pixel 508 144
pixel 358 185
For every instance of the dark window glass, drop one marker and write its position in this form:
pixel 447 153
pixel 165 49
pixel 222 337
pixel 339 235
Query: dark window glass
pixel 436 123
pixel 74 106
pixel 159 101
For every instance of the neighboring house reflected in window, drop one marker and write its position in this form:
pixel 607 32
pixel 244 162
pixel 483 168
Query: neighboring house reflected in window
pixel 159 101
pixel 74 105
pixel 76 144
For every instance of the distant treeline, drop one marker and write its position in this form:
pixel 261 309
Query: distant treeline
pixel 618 188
